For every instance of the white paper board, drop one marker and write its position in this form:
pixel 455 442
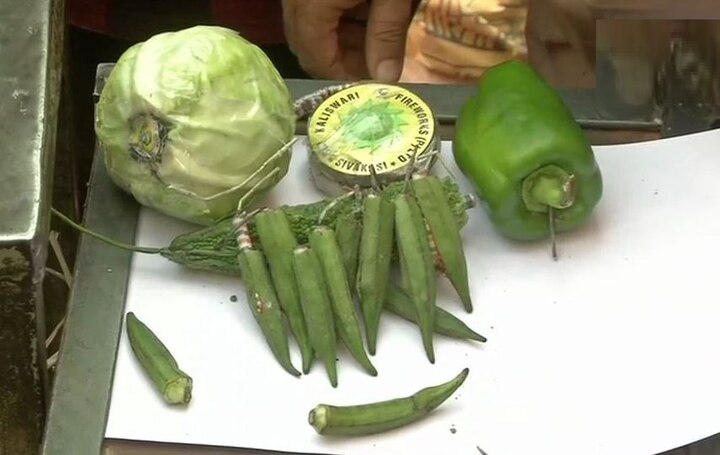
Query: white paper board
pixel 609 351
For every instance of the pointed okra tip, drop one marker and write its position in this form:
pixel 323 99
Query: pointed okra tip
pixel 318 418
pixel 463 374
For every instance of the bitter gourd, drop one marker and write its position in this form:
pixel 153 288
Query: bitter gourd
pixel 214 248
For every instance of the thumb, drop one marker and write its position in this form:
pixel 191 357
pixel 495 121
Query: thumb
pixel 387 28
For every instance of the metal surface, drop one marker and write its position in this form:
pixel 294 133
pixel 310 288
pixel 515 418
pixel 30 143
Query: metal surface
pixel 668 67
pixel 84 378
pixel 81 393
pixel 30 74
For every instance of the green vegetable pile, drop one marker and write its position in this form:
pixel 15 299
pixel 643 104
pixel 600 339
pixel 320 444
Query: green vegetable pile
pixel 316 284
pixel 346 247
pixel 192 122
pixel 197 123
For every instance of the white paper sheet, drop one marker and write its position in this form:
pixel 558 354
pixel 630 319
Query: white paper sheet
pixel 610 351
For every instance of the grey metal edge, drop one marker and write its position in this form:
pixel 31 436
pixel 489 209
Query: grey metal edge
pixel 83 382
pixel 31 39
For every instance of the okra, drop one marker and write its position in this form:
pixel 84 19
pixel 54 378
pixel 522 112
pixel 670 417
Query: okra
pixel 417 268
pixel 158 363
pixel 376 248
pixel 264 306
pixel 348 230
pixel 324 242
pixel 261 296
pixel 317 308
pixel 372 418
pixel 445 234
pixel 399 303
pixel 278 243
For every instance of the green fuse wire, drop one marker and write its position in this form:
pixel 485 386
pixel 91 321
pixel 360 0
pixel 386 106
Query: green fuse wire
pixel 382 416
pixel 158 363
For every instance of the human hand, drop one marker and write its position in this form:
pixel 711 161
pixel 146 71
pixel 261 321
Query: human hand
pixel 348 39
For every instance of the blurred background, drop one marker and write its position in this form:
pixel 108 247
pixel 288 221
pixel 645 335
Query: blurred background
pixel 454 41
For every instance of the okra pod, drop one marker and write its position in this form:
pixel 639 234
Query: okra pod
pixel 399 303
pixel 324 242
pixel 365 419
pixel 376 248
pixel 263 303
pixel 317 308
pixel 158 363
pixel 278 243
pixel 348 230
pixel 417 268
pixel 445 234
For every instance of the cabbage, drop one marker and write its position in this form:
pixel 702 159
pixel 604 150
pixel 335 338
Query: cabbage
pixel 187 119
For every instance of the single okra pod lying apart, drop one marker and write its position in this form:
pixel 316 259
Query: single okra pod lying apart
pixel 445 234
pixel 399 303
pixel 417 268
pixel 317 308
pixel 382 416
pixel 324 242
pixel 278 243
pixel 157 361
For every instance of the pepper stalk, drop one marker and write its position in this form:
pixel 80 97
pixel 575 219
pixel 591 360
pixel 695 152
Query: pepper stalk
pixel 546 190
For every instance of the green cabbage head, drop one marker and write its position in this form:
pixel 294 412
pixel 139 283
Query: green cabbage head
pixel 190 121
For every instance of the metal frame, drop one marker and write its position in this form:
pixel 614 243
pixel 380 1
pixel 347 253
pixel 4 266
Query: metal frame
pixel 84 378
pixel 31 40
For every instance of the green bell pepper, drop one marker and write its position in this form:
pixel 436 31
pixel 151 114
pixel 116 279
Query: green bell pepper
pixel 520 146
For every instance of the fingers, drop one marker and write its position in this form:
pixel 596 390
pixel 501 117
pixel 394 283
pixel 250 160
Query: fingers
pixel 387 27
pixel 312 28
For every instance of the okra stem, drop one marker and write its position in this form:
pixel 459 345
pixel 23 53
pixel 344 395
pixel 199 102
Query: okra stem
pixel 382 416
pixel 157 362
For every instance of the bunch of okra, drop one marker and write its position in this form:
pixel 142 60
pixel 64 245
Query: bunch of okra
pixel 316 285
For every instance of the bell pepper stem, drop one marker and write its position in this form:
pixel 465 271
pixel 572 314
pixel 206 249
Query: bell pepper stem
pixel 549 186
pixel 553 242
